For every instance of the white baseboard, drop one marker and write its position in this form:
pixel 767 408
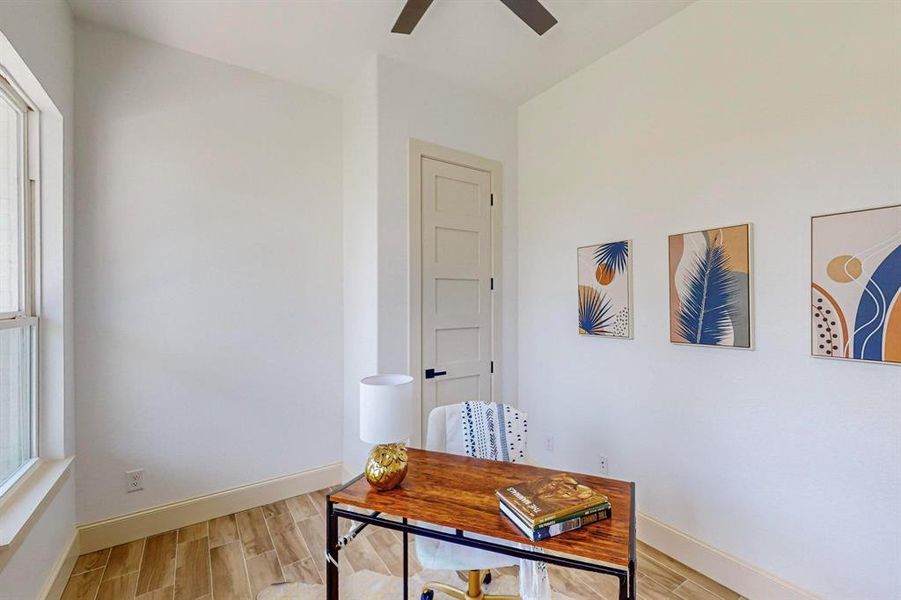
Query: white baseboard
pixel 59 575
pixel 118 530
pixel 734 573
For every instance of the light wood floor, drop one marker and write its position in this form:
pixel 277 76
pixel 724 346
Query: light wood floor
pixel 235 557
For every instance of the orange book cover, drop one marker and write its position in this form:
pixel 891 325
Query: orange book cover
pixel 550 498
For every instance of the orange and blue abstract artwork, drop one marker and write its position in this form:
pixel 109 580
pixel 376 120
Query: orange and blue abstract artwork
pixel 856 285
pixel 605 289
pixel 710 287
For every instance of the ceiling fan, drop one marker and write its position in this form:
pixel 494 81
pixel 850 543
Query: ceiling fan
pixel 531 12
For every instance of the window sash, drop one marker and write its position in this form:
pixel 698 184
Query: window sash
pixel 18 322
pixel 27 201
pixel 29 328
pixel 12 100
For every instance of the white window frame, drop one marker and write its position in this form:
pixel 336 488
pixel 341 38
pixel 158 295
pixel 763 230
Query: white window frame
pixel 52 303
pixel 27 317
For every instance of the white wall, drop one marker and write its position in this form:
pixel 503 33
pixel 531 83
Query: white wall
pixel 360 236
pixel 43 36
pixel 727 113
pixel 208 269
pixel 412 103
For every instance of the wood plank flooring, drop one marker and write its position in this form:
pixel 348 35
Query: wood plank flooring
pixel 236 556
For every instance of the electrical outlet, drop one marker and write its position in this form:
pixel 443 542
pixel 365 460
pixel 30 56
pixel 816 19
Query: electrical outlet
pixel 134 480
pixel 549 443
pixel 603 465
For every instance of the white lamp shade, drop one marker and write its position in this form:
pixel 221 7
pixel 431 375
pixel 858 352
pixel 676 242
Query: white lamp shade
pixel 386 409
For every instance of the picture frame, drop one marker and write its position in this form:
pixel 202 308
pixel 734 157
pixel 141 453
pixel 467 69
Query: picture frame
pixel 855 285
pixel 604 278
pixel 711 287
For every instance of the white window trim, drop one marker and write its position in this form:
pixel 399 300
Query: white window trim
pixel 27 496
pixel 27 317
pixel 42 477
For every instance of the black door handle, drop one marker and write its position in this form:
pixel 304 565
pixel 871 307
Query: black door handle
pixel 432 373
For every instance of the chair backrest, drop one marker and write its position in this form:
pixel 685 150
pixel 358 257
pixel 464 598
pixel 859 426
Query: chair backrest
pixel 445 432
pixel 445 429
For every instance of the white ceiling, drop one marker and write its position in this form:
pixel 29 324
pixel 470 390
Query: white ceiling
pixel 322 43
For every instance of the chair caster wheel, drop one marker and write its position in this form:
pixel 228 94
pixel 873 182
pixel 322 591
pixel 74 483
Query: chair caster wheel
pixel 487 580
pixel 427 595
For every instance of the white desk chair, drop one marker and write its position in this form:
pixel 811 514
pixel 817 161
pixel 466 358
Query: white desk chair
pixel 445 434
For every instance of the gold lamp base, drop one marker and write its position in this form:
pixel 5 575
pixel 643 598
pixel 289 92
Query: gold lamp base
pixel 387 466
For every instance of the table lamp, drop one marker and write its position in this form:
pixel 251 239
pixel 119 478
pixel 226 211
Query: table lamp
pixel 386 419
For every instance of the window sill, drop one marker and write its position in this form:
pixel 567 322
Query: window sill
pixel 28 497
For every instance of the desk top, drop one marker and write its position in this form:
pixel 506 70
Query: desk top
pixel 458 492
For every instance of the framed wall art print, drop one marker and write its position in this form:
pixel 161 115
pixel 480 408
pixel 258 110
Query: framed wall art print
pixel 605 289
pixel 855 285
pixel 710 287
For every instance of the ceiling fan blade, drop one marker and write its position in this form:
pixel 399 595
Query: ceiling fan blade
pixel 532 13
pixel 410 15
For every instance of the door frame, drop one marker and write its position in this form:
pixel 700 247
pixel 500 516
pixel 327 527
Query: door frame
pixel 419 149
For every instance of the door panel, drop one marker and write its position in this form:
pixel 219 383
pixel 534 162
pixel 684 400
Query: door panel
pixel 457 296
pixel 456 283
pixel 450 391
pixel 456 247
pixel 456 197
pixel 456 345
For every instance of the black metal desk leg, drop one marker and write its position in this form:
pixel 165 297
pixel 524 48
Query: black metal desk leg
pixel 624 587
pixel 632 581
pixel 406 563
pixel 331 551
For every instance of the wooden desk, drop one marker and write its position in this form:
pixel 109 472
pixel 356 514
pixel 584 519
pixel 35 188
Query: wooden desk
pixel 458 492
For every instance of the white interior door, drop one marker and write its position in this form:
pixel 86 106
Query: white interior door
pixel 456 284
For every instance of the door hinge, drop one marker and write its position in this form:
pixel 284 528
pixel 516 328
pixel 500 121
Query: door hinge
pixel 492 199
pixel 492 283
pixel 492 366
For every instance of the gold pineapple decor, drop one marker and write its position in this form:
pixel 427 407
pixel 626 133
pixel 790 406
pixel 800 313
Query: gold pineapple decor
pixel 387 466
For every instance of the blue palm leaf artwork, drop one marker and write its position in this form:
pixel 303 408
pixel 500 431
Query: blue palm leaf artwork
pixel 705 316
pixel 605 289
pixel 595 316
pixel 615 255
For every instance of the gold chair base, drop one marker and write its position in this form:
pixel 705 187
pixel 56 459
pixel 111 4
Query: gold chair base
pixel 474 591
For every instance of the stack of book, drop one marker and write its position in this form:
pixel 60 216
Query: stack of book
pixel 543 508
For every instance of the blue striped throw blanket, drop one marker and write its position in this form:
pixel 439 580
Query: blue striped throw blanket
pixel 494 431
pixel 499 432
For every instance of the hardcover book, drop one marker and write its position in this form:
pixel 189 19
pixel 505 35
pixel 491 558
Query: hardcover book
pixel 542 501
pixel 556 528
pixel 560 519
